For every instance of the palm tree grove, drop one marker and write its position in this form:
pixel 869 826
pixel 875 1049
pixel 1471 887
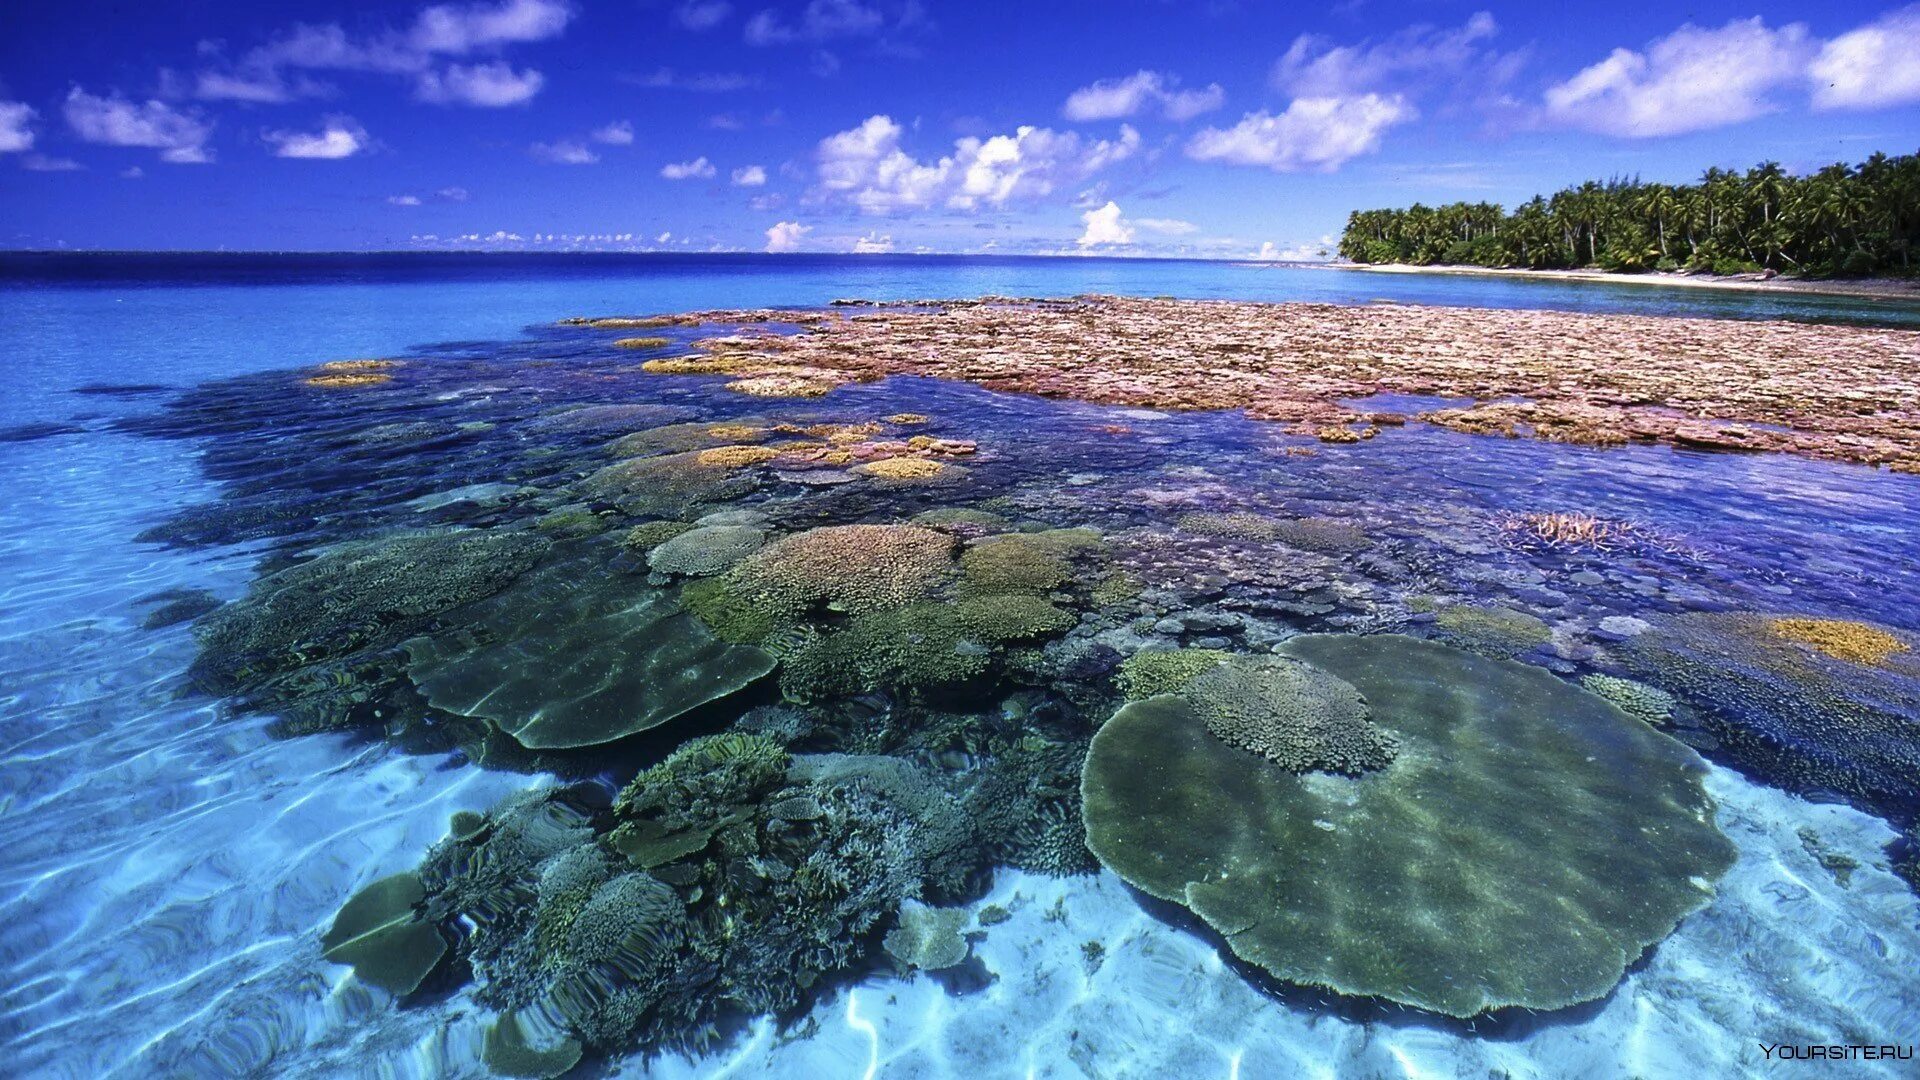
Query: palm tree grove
pixel 1842 221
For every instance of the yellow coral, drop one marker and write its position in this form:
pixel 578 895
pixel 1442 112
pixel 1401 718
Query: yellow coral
pixel 694 365
pixel 334 382
pixel 903 468
pixel 1854 642
pixel 779 386
pixel 736 457
pixel 641 343
pixel 359 365
pixel 736 432
pixel 904 418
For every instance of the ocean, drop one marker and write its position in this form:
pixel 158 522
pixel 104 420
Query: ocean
pixel 169 858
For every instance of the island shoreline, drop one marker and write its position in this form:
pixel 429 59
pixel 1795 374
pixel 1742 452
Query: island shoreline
pixel 1897 290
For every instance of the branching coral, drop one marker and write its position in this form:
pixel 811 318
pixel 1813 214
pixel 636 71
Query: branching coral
pixel 1854 642
pixel 926 644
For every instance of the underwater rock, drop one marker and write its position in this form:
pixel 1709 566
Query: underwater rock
pixel 1817 705
pixel 353 595
pixel 575 655
pixel 1524 847
pixel 380 934
pixel 929 938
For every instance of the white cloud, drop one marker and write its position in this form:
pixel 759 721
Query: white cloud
pixel 786 236
pixel 491 85
pixel 1105 227
pixel 750 176
pixel 697 169
pixel 663 238
pixel 452 194
pixel 1167 226
pixel 819 21
pixel 702 14
pixel 181 137
pixel 1312 134
pixel 43 163
pixel 710 82
pixel 339 137
pixel 618 133
pixel 404 200
pixel 873 244
pixel 1690 80
pixel 463 28
pixel 867 167
pixel 1315 67
pixel 16 127
pixel 1871 67
pixel 1110 99
pixel 564 152
pixel 259 87
pixel 132 172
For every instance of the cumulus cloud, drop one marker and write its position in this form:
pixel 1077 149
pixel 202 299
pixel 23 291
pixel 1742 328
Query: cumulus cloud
pixel 697 169
pixel 618 133
pixel 16 127
pixel 1690 80
pixel 181 137
pixel 564 152
pixel 463 28
pixel 1105 227
pixel 1873 67
pixel 867 167
pixel 492 85
pixel 1313 66
pixel 786 236
pixel 750 176
pixel 1111 99
pixel 702 14
pixel 873 244
pixel 339 137
pixel 258 87
pixel 1318 134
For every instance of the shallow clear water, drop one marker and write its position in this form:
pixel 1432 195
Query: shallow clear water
pixel 166 867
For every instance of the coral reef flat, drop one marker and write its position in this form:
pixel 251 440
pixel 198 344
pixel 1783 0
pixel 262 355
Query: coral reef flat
pixel 975 692
pixel 1849 393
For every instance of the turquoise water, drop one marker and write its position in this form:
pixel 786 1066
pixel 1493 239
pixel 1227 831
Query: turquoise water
pixel 166 865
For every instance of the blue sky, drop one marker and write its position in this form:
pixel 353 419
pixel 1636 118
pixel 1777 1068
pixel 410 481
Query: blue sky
pixel 1222 128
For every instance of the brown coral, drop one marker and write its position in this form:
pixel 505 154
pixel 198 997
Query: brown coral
pixel 1854 642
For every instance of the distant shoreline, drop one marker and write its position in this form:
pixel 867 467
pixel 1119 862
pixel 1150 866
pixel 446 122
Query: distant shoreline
pixel 1867 288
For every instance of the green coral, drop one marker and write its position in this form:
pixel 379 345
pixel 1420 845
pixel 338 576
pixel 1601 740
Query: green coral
pixel 710 549
pixel 1525 846
pixel 961 519
pixel 728 615
pixel 353 596
pixel 929 938
pixel 646 536
pixel 1036 562
pixel 1165 671
pixel 1230 525
pixel 1295 715
pixel 671 485
pixel 857 569
pixel 380 933
pixel 1495 631
pixel 1636 699
pixel 925 644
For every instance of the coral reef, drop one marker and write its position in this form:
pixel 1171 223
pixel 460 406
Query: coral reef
pixel 921 645
pixel 1790 709
pixel 670 485
pixel 1496 631
pixel 1636 699
pixel 1591 834
pixel 1036 562
pixel 1152 672
pixel 929 938
pixel 642 343
pixel 379 933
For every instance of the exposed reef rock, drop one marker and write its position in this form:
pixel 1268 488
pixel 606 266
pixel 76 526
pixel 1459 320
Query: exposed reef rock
pixel 1524 846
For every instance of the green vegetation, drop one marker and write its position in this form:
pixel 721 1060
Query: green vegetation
pixel 1840 221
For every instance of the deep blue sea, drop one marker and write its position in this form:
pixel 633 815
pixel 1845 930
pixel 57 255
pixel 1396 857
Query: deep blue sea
pixel 168 861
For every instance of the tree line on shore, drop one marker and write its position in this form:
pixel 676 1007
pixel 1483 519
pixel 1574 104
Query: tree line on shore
pixel 1843 220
